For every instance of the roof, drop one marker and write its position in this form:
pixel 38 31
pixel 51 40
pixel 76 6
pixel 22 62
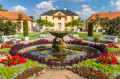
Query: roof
pixel 14 15
pixel 66 12
pixel 110 15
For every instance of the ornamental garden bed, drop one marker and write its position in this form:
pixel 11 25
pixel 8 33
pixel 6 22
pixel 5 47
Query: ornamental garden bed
pixel 106 69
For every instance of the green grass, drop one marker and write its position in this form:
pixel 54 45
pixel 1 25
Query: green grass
pixel 95 35
pixel 36 35
pixel 32 36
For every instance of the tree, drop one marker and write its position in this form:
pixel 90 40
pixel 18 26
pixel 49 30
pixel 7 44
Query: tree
pixel 90 29
pixel 32 17
pixel 73 23
pixel 20 16
pixel 25 28
pixel 1 9
pixel 97 18
pixel 44 22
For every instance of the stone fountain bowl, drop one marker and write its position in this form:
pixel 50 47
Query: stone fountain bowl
pixel 59 34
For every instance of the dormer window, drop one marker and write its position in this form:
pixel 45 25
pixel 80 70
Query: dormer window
pixel 59 14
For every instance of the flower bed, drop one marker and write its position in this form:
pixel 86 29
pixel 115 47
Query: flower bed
pixel 111 70
pixel 50 62
pixel 31 73
pixel 16 59
pixel 107 59
pixel 90 73
pixel 6 45
pixel 13 71
pixel 112 45
pixel 115 53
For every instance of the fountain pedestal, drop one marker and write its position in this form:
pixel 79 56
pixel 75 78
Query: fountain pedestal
pixel 58 42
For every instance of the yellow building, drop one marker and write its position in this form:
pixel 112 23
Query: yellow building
pixel 13 16
pixel 59 18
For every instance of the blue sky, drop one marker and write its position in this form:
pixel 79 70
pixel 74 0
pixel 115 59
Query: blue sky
pixel 85 8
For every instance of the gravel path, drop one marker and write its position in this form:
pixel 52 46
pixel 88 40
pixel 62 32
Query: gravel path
pixel 59 74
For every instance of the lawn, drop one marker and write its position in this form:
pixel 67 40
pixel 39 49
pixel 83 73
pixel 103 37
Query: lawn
pixel 95 35
pixel 36 35
pixel 32 36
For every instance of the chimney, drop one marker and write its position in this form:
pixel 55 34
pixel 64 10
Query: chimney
pixel 53 8
pixel 64 8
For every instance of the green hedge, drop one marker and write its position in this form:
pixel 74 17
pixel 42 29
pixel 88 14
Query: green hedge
pixel 11 72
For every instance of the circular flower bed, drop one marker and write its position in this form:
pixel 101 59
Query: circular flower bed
pixel 50 62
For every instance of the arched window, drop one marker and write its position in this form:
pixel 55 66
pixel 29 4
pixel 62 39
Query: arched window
pixel 59 14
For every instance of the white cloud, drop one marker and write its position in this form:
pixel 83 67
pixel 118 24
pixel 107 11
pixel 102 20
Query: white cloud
pixel 103 7
pixel 19 8
pixel 115 4
pixel 74 0
pixel 86 12
pixel 43 7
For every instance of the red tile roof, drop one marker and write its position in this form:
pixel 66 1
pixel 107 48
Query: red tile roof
pixel 14 15
pixel 110 15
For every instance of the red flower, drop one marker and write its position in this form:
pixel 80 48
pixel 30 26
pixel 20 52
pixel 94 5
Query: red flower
pixel 9 65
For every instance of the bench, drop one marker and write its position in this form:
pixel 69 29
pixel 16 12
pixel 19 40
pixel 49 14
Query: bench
pixel 109 38
pixel 43 35
pixel 11 38
pixel 75 35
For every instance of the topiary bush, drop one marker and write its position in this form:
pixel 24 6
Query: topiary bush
pixel 90 29
pixel 25 28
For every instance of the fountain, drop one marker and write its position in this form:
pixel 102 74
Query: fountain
pixel 59 50
pixel 58 42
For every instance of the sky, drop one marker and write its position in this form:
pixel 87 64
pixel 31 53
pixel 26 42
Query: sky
pixel 84 8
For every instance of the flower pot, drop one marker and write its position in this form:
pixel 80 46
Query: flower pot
pixel 26 38
pixel 89 38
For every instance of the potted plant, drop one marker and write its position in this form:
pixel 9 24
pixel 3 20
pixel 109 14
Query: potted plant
pixel 25 30
pixel 90 31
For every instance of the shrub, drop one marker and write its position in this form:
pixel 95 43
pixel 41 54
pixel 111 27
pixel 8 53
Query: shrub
pixel 90 29
pixel 30 72
pixel 25 28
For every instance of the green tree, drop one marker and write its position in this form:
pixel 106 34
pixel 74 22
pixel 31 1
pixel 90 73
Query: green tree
pixel 32 17
pixel 90 29
pixel 20 16
pixel 1 9
pixel 73 23
pixel 44 22
pixel 97 18
pixel 25 28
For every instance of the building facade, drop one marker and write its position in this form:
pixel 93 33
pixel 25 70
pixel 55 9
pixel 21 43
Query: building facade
pixel 13 16
pixel 59 18
pixel 109 15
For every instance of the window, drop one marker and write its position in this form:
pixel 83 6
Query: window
pixel 46 17
pixel 72 17
pixel 59 26
pixel 65 18
pixel 59 18
pixel 59 14
pixel 53 18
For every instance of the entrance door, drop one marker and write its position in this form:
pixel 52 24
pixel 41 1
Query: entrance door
pixel 59 26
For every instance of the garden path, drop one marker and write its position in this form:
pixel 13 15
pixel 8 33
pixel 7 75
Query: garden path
pixel 59 74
